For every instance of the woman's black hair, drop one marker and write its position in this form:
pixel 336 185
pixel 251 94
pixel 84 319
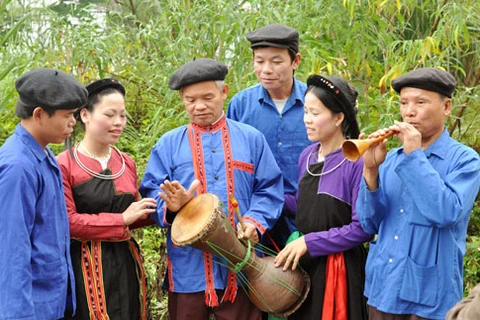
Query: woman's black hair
pixel 339 97
pixel 96 91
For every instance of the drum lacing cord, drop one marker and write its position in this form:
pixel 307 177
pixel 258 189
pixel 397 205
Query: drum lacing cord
pixel 239 266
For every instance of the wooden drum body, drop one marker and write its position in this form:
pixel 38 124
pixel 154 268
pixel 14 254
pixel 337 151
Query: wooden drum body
pixel 202 224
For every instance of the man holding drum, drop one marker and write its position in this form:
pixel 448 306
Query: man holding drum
pixel 216 155
pixel 418 200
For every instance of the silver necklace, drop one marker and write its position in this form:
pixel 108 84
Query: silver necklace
pixel 94 173
pixel 95 157
pixel 326 172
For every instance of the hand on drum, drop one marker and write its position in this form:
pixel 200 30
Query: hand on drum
pixel 249 233
pixel 139 210
pixel 175 195
pixel 291 254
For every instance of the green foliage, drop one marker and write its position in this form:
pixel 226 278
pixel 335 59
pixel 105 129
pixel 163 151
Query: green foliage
pixel 471 264
pixel 369 42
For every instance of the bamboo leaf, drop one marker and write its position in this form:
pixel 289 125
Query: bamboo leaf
pixel 14 30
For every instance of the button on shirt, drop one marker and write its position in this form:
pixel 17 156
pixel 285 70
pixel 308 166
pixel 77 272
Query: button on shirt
pixel 285 133
pixel 420 212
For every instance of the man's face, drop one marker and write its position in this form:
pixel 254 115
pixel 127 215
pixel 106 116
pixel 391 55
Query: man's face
pixel 55 128
pixel 274 67
pixel 425 110
pixel 204 102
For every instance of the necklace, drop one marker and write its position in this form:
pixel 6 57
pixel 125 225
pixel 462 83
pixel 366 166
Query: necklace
pixel 94 173
pixel 93 156
pixel 322 173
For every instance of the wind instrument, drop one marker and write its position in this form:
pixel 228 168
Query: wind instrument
pixel 353 149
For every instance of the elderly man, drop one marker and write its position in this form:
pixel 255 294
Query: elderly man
pixel 36 272
pixel 275 107
pixel 418 200
pixel 216 155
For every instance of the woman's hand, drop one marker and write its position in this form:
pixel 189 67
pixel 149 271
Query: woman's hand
pixel 291 254
pixel 139 210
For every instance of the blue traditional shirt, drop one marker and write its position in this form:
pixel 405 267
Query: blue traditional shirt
pixel 285 133
pixel 420 212
pixel 35 267
pixel 228 157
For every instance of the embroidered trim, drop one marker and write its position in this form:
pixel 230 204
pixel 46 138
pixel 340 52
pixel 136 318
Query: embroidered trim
pixel 92 274
pixel 215 127
pixel 102 303
pixel 171 286
pixel 141 277
pixel 256 223
pixel 195 139
pixel 231 289
pixel 244 166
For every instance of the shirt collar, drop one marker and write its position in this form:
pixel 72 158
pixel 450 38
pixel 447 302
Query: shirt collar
pixel 31 143
pixel 439 147
pixel 297 95
pixel 211 128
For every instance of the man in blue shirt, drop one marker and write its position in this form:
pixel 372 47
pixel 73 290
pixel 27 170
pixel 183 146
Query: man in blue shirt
pixel 275 107
pixel 36 272
pixel 212 154
pixel 418 199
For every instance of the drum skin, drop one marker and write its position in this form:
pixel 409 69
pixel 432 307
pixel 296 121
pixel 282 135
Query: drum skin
pixel 202 224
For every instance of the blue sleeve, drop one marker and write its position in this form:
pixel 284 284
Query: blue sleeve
pixel 450 195
pixel 17 216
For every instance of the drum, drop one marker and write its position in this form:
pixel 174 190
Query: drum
pixel 202 224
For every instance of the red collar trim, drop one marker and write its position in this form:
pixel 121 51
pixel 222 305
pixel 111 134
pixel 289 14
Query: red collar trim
pixel 217 126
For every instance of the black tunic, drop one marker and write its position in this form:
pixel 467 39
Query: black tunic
pixel 320 212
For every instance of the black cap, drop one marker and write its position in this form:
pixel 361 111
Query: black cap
pixel 100 85
pixel 198 70
pixel 274 35
pixel 431 79
pixel 344 92
pixel 50 88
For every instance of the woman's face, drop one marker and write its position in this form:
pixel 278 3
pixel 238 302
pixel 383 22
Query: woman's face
pixel 106 122
pixel 320 122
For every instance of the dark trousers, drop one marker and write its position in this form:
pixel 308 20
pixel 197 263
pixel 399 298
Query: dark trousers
pixel 374 314
pixel 191 306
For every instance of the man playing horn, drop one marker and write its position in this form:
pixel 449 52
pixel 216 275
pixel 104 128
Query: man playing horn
pixel 216 155
pixel 418 199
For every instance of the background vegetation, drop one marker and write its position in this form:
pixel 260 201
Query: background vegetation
pixel 140 42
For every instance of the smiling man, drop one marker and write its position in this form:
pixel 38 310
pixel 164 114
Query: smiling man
pixel 418 199
pixel 36 272
pixel 275 107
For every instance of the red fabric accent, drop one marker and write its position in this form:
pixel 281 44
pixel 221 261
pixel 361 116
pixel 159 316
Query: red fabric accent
pixel 244 166
pixel 171 286
pixel 335 299
pixel 211 298
pixel 103 225
pixel 197 158
pixel 272 241
pixel 231 289
pixel 195 139
pixel 256 223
